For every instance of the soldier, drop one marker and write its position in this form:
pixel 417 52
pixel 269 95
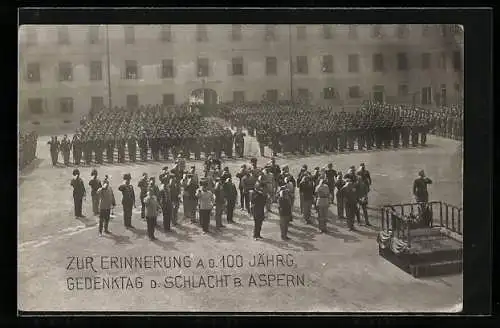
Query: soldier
pixel 248 182
pixel 285 211
pixel 99 149
pixel 143 186
pixel 240 175
pixel 106 203
pixel 258 204
pixel 87 150
pixel 77 149
pixel 165 200
pixel 395 132
pixel 164 147
pixel 121 144
pixel 132 148
pixel 350 195
pixel 78 193
pixel 322 203
pixel 143 147
pixel 95 184
pixel 261 140
pixel 152 207
pixel 175 192
pixel 128 200
pixel 218 192
pixel 110 148
pixel 189 197
pixel 239 143
pixel 339 184
pixel 230 194
pixel 306 187
pixel 364 175
pixel 54 150
pixel 405 134
pixel 363 189
pixel 205 203
pixel 414 134
pixel 420 188
pixel 65 149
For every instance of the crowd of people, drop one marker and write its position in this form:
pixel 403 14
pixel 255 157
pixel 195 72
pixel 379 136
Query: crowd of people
pixel 287 128
pixel 152 132
pixel 27 148
pixel 259 188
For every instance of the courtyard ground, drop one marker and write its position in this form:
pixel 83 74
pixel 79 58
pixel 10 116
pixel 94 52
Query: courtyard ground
pixel 342 270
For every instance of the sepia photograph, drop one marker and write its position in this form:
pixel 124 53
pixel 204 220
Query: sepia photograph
pixel 240 168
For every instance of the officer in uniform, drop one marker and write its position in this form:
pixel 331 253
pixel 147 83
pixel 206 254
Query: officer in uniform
pixel 420 188
pixel 99 149
pixel 165 199
pixel 143 186
pixel 132 148
pixel 77 149
pixel 128 200
pixel 54 150
pixel 239 143
pixel 78 193
pixel 121 144
pixel 65 149
pixel 143 147
pixel 110 149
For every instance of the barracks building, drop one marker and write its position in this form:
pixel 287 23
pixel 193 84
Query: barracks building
pixel 64 71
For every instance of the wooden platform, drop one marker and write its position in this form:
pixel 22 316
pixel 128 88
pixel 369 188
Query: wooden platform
pixel 431 252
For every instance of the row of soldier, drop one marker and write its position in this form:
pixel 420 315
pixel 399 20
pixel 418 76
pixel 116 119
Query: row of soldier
pixel 27 148
pixel 154 134
pixel 291 129
pixel 259 188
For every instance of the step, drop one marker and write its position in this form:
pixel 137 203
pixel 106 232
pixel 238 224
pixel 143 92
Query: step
pixel 436 256
pixel 436 268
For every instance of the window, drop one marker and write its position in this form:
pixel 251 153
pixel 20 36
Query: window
pixel 66 105
pixel 166 33
pixel 271 66
pixel 35 105
pixel 402 61
pixel 96 103
pixel 353 32
pixel 95 70
pixel 94 34
pixel 403 90
pixel 31 37
pixel 201 33
pixel 129 34
pixel 426 96
pixel 426 61
pixel 329 93
pixel 426 30
pixel 132 101
pixel 202 67
pixel 377 31
pixel 33 72
pixel 270 34
pixel 131 71
pixel 238 96
pixel 302 65
pixel 378 62
pixel 65 71
pixel 167 69
pixel 354 92
pixel 303 94
pixel 327 64
pixel 237 65
pixel 378 93
pixel 402 31
pixel 443 96
pixel 301 32
pixel 168 99
pixel 272 95
pixel 442 61
pixel 457 61
pixel 236 32
pixel 353 64
pixel 63 35
pixel 327 32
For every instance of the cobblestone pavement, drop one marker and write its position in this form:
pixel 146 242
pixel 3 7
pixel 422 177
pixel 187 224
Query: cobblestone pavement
pixel 341 270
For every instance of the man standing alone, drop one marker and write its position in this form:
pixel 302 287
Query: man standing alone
pixel 78 192
pixel 106 202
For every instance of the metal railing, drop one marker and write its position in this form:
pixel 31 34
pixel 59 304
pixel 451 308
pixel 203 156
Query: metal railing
pixel 402 218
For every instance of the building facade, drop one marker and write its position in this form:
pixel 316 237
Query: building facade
pixel 66 70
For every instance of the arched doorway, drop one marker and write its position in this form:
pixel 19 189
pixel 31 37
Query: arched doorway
pixel 204 96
